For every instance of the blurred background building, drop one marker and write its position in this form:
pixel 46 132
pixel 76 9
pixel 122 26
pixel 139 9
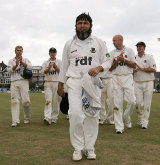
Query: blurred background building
pixel 37 81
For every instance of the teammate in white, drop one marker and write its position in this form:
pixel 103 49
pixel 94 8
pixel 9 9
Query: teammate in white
pixel 51 69
pixel 122 69
pixel 19 86
pixel 144 77
pixel 83 52
pixel 107 91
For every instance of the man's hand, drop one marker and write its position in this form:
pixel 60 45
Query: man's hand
pixel 50 65
pixel 94 71
pixel 21 62
pixel 54 65
pixel 120 57
pixel 60 90
pixel 20 59
pixel 138 68
pixel 148 70
pixel 17 61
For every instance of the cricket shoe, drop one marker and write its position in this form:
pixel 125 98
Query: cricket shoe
pixel 144 126
pixel 90 154
pixel 102 122
pixel 54 121
pixel 111 122
pixel 139 122
pixel 14 125
pixel 47 122
pixel 26 121
pixel 119 131
pixel 129 125
pixel 67 117
pixel 77 155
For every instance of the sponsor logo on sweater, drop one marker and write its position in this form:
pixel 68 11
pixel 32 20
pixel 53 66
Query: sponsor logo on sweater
pixel 93 50
pixel 53 72
pixel 83 60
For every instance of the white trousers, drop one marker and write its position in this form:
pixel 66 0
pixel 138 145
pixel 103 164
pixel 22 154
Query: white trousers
pixel 19 89
pixel 83 129
pixel 107 91
pixel 123 91
pixel 144 91
pixel 50 89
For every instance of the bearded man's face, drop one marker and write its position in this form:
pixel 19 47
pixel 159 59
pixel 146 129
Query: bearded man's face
pixel 83 29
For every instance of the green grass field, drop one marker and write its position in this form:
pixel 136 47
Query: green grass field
pixel 38 144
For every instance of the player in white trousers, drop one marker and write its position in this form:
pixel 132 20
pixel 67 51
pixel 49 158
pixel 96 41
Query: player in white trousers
pixel 83 52
pixel 51 69
pixel 122 70
pixel 19 86
pixel 144 77
pixel 107 91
